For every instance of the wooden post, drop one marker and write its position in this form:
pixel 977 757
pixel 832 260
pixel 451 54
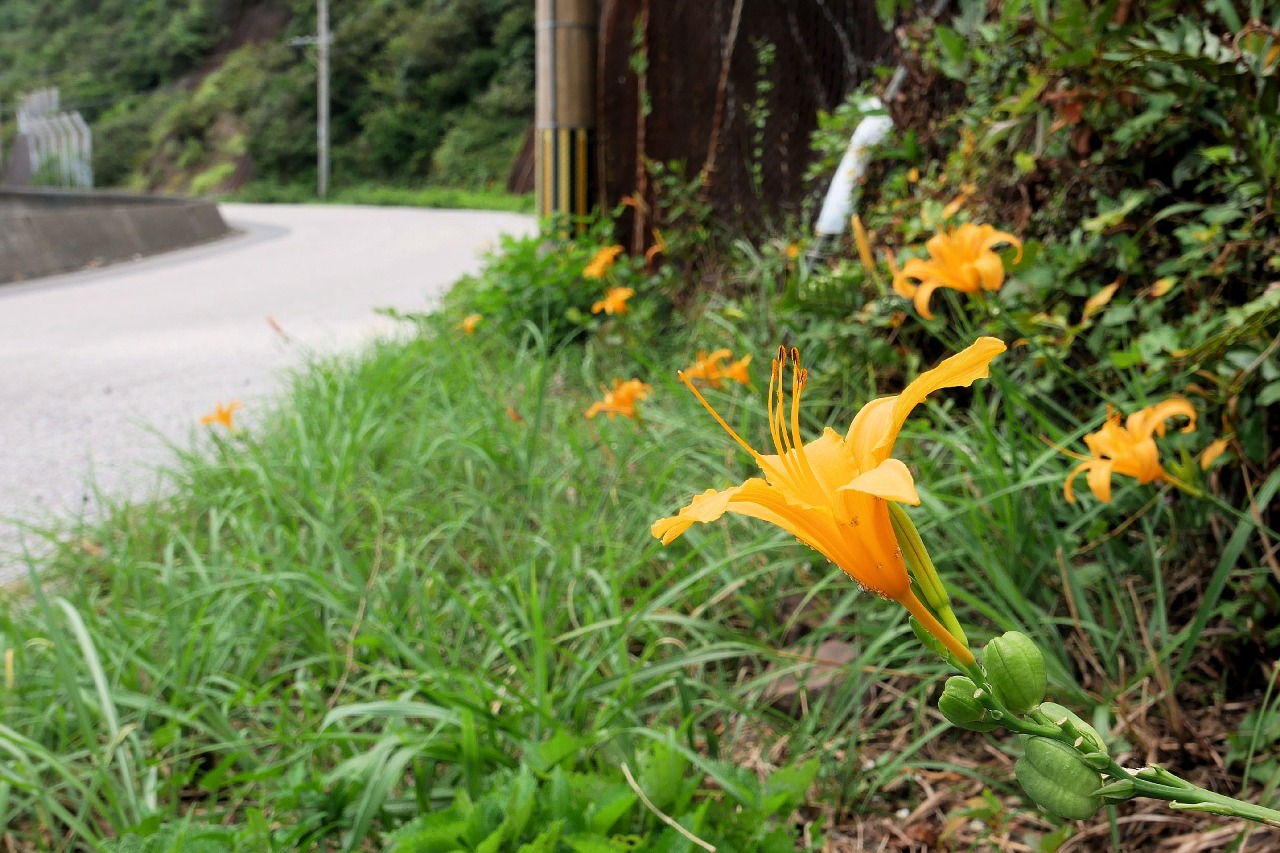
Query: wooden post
pixel 566 120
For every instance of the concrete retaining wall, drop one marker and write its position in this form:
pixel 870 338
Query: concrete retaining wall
pixel 50 231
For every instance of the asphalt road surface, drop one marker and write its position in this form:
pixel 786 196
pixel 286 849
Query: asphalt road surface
pixel 99 369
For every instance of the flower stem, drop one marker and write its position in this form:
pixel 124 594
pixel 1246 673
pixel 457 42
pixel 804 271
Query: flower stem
pixel 1181 794
pixel 931 624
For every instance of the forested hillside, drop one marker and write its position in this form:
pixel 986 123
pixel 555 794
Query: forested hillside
pixel 206 95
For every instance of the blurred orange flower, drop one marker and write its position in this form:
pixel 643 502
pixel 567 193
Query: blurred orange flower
pixel 1129 449
pixel 621 400
pixel 709 369
pixel 832 493
pixel 469 323
pixel 614 302
pixel 961 259
pixel 222 415
pixel 601 261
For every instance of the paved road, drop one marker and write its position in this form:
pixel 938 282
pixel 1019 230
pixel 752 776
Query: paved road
pixel 99 368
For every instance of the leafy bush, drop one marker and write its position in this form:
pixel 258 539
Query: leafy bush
pixel 1130 155
pixel 537 285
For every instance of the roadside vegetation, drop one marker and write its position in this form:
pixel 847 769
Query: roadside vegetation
pixel 387 196
pixel 420 608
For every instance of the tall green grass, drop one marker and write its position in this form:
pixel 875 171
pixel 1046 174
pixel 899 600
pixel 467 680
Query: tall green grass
pixel 394 589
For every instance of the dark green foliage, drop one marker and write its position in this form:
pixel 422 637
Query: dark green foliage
pixel 438 91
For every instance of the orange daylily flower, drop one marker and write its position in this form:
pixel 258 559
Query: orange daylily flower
pixel 1129 449
pixel 621 400
pixel 832 493
pixel 469 323
pixel 708 368
pixel 739 371
pixel 614 302
pixel 961 259
pixel 222 415
pixel 601 261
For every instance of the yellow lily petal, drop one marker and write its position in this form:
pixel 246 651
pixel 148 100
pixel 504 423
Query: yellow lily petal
pixel 874 430
pixel 903 286
pixel 990 271
pixel 922 296
pixel 708 506
pixel 1152 418
pixel 889 480
pixel 1099 479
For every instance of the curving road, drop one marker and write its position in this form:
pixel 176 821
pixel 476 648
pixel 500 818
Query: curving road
pixel 99 369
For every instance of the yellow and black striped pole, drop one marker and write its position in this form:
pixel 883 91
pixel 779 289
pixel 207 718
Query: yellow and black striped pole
pixel 566 113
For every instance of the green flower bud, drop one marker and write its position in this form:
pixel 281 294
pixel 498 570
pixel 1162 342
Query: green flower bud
pixel 1058 714
pixel 1119 791
pixel 961 708
pixel 1016 670
pixel 1055 778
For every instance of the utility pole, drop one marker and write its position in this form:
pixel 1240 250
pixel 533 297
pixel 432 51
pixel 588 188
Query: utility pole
pixel 566 107
pixel 322 95
pixel 321 41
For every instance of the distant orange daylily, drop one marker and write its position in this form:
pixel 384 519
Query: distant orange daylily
pixel 469 323
pixel 832 493
pixel 708 368
pixel 614 302
pixel 961 259
pixel 1129 449
pixel 739 370
pixel 222 415
pixel 601 261
pixel 621 400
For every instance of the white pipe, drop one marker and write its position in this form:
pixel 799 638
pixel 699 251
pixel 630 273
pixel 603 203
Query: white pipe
pixel 838 205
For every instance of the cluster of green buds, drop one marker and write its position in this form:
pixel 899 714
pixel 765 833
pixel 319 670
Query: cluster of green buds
pixel 1065 767
pixel 1014 679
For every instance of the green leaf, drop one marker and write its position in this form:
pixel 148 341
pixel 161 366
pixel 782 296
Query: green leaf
pixel 662 771
pixel 546 841
pixel 593 844
pixel 1269 395
pixel 785 789
pixel 608 811
pixel 553 751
